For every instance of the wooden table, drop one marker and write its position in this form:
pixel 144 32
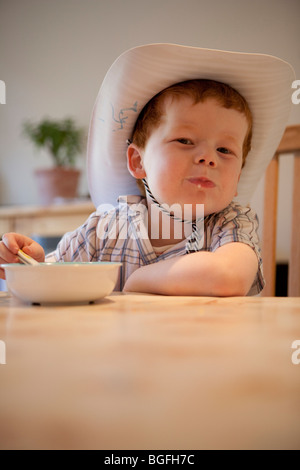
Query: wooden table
pixel 151 372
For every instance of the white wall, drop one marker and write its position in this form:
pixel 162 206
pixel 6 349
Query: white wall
pixel 54 55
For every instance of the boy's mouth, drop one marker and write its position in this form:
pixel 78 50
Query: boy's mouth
pixel 202 182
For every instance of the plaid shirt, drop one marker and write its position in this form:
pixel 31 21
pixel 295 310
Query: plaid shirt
pixel 120 235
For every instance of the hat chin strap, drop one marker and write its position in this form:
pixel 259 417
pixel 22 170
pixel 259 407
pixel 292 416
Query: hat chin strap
pixel 165 211
pixel 193 240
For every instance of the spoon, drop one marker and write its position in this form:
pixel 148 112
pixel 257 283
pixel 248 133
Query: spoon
pixel 26 259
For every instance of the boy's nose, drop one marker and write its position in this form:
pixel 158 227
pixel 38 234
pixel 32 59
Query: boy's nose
pixel 206 158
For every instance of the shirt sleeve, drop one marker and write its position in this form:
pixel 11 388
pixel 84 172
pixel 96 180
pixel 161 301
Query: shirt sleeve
pixel 238 224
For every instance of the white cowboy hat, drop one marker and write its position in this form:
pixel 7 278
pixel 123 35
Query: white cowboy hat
pixel 140 73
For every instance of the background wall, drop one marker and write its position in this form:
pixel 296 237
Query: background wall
pixel 54 55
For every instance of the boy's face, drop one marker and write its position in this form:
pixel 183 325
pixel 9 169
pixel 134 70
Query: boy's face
pixel 194 156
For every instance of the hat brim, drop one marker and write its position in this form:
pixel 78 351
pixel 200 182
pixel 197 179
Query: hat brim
pixel 140 73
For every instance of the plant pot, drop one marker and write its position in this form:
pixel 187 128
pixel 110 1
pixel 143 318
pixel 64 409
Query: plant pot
pixel 58 182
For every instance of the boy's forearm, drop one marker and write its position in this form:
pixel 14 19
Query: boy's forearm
pixel 196 274
pixel 177 276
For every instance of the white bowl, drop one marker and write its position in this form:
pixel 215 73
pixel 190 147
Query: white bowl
pixel 61 282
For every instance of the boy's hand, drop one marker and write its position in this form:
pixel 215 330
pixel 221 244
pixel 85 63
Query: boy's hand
pixel 10 245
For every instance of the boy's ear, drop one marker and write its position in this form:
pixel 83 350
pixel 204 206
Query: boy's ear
pixel 135 162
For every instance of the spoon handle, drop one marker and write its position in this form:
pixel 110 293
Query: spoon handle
pixel 26 259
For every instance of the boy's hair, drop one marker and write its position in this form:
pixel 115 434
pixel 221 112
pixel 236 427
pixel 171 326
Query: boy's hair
pixel 199 90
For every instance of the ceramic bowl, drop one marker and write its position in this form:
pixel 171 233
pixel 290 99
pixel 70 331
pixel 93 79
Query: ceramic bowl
pixel 61 282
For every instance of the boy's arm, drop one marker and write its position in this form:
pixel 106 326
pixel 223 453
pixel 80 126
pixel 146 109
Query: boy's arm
pixel 229 271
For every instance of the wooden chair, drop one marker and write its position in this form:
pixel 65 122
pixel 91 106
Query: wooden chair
pixel 290 143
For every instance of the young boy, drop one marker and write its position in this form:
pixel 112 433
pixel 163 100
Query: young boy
pixel 188 145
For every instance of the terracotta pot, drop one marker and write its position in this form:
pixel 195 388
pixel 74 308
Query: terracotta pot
pixel 58 182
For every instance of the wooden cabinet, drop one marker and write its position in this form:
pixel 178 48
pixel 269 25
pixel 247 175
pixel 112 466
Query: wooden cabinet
pixel 49 221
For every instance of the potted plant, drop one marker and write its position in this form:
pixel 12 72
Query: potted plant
pixel 63 140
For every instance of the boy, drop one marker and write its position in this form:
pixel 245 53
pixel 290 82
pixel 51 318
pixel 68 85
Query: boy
pixel 188 146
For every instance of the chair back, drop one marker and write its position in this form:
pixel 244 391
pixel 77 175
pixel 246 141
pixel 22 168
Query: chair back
pixel 290 143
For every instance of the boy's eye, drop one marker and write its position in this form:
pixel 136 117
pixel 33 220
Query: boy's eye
pixel 184 141
pixel 224 150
